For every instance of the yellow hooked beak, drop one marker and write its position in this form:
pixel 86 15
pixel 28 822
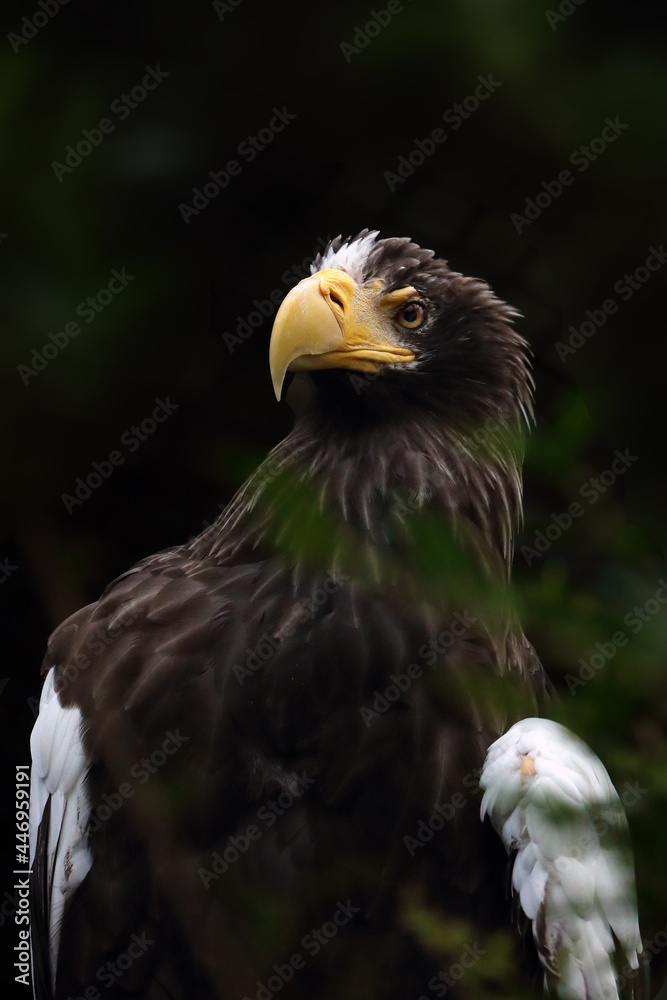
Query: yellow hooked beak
pixel 330 321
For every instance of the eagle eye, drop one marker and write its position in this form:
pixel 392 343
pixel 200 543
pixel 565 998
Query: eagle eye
pixel 412 315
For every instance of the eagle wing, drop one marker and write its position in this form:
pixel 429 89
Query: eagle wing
pixel 60 857
pixel 555 807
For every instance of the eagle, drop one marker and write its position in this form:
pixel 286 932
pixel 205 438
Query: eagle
pixel 302 753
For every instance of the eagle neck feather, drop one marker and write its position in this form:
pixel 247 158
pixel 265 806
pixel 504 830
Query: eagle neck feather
pixel 387 469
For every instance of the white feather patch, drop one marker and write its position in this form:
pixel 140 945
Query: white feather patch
pixel 350 258
pixel 59 769
pixel 551 800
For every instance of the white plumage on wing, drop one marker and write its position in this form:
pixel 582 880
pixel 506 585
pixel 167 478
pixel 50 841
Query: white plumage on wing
pixel 59 769
pixel 553 803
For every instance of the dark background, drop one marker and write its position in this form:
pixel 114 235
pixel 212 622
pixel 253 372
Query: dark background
pixel 324 174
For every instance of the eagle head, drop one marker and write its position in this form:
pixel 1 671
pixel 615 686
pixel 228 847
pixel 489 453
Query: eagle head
pixel 384 327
